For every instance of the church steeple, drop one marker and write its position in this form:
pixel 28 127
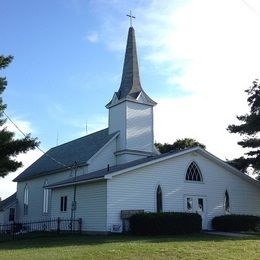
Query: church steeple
pixel 130 87
pixel 131 110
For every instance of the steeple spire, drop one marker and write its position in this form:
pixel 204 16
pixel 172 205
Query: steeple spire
pixel 130 83
pixel 130 87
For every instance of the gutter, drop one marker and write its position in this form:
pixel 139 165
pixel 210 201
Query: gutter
pixel 72 183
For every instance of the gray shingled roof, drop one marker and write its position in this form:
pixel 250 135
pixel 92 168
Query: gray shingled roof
pixel 130 86
pixel 8 201
pixel 79 150
pixel 101 173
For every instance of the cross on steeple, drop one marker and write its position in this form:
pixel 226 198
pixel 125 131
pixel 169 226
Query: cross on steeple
pixel 130 16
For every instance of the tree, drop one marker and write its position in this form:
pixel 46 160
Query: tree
pixel 250 130
pixel 9 146
pixel 178 145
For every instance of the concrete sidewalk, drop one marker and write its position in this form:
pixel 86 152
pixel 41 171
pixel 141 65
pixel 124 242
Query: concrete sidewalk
pixel 229 234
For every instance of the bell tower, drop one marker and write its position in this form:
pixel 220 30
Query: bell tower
pixel 131 111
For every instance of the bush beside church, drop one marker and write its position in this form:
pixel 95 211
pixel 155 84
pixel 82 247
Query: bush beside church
pixel 166 223
pixel 233 222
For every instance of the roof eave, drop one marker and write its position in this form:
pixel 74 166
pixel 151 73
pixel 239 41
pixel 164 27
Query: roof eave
pixel 48 172
pixel 194 149
pixel 229 167
pixel 55 186
pixel 111 104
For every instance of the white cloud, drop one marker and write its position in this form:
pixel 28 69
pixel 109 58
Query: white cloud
pixel 8 187
pixel 216 45
pixel 23 125
pixel 55 108
pixel 200 118
pixel 92 37
pixel 95 123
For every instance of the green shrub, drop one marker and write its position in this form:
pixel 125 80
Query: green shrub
pixel 17 227
pixel 165 223
pixel 236 223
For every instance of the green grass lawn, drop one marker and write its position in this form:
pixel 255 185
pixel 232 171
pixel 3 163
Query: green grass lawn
pixel 200 246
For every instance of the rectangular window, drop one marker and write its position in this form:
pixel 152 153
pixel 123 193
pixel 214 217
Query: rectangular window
pixel 200 204
pixel 25 209
pixel 11 214
pixel 45 200
pixel 189 203
pixel 63 203
pixel 26 200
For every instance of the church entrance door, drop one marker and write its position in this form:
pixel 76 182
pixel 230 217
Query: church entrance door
pixel 197 204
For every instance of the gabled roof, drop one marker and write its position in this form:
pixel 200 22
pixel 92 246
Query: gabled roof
pixel 7 202
pixel 64 156
pixel 130 166
pixel 130 86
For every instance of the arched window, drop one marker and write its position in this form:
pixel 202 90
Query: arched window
pixel 159 199
pixel 45 198
pixel 193 173
pixel 25 200
pixel 226 202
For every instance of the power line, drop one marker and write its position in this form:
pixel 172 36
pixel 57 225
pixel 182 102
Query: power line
pixel 16 126
pixel 38 147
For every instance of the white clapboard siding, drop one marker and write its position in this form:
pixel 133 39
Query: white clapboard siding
pixel 117 122
pixel 137 189
pixel 91 205
pixel 139 127
pixel 134 121
pixel 128 157
pixel 4 215
pixel 35 206
pixel 56 202
pixel 103 157
pixel 35 186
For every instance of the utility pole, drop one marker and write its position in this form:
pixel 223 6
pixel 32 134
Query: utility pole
pixel 74 202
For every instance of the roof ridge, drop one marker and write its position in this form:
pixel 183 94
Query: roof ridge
pixel 7 201
pixel 77 139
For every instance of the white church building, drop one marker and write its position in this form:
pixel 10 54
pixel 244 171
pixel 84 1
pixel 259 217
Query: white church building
pixel 103 175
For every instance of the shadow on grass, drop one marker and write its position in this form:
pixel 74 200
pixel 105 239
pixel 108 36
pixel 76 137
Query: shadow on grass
pixel 49 241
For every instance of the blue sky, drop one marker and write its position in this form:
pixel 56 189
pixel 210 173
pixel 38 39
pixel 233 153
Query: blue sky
pixel 195 57
pixel 66 67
